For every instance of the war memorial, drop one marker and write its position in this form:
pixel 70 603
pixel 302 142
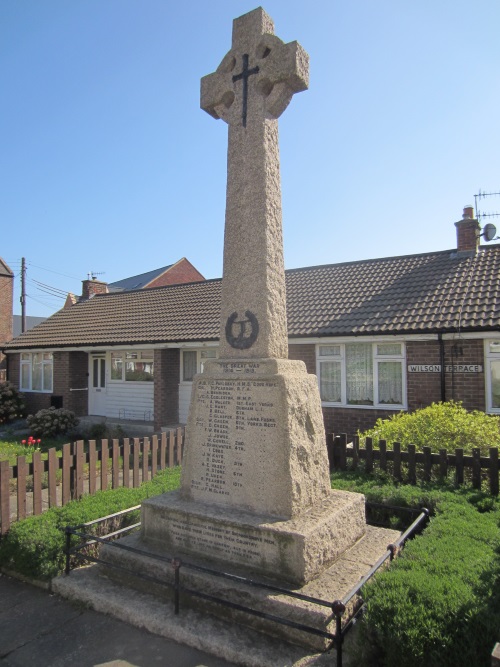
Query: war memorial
pixel 255 498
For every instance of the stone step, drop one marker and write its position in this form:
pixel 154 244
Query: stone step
pixel 95 585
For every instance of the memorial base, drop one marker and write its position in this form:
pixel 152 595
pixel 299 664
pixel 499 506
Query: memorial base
pixel 293 551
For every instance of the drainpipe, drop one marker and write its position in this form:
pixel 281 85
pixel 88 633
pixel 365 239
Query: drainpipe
pixel 441 359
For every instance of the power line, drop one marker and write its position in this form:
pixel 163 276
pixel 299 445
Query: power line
pixel 52 271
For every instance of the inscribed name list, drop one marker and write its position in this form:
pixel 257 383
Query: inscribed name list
pixel 237 427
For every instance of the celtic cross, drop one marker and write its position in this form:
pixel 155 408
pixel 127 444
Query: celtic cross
pixel 250 89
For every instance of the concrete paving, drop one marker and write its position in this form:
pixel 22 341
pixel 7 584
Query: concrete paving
pixel 40 629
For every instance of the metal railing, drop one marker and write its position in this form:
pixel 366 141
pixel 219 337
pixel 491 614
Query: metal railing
pixel 338 607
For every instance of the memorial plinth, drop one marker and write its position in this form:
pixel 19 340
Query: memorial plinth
pixel 255 487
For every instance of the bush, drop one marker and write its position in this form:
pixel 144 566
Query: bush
pixel 439 603
pixel 440 426
pixel 11 403
pixel 51 422
pixel 34 547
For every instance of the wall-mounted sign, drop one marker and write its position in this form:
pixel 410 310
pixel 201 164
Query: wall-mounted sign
pixel 436 368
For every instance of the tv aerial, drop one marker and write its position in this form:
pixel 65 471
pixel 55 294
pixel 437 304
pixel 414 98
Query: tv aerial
pixel 489 231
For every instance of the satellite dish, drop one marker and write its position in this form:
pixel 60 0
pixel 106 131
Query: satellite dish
pixel 489 232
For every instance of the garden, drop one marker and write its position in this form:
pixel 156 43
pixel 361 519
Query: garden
pixel 439 601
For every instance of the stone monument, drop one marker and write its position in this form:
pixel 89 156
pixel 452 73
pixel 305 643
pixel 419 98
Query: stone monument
pixel 255 497
pixel 255 488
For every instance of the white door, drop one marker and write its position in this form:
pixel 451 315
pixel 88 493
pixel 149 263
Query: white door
pixel 97 385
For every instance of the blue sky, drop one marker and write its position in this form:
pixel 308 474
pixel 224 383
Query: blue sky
pixel 107 163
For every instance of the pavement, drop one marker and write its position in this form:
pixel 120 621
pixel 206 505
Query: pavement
pixel 40 629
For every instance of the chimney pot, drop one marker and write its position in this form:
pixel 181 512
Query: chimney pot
pixel 468 213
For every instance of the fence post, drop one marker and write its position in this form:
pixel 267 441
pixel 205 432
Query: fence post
pixel 92 467
pixel 443 463
pixel 494 471
pixel 163 451
pixel 145 459
pixel 126 462
pixel 104 464
pixel 37 483
pixel 396 447
pixel 135 474
pixel 427 464
pixel 53 463
pixel 382 445
pixel 412 464
pixel 369 455
pixel 476 468
pixel 115 464
pixel 154 455
pixel 459 467
pixel 78 462
pixel 4 497
pixel 22 471
pixel 355 452
pixel 66 473
pixel 171 445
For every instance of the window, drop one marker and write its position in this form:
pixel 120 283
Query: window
pixel 193 361
pixel 136 366
pixel 493 375
pixel 36 371
pixel 364 374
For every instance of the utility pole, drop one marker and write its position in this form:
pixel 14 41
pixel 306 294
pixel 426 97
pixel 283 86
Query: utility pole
pixel 23 294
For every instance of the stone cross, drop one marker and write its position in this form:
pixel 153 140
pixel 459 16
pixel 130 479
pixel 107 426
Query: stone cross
pixel 250 89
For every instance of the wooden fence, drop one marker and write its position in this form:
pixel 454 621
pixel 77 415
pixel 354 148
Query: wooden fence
pixel 407 465
pixel 81 469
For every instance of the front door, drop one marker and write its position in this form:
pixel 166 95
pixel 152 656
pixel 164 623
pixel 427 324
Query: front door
pixel 97 385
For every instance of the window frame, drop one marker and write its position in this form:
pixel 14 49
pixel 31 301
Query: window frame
pixel 45 363
pixel 122 354
pixel 490 357
pixel 199 360
pixel 377 359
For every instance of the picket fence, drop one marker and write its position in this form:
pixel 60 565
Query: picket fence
pixel 410 465
pixel 56 480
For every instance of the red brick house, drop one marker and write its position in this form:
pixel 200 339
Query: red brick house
pixel 382 335
pixel 6 301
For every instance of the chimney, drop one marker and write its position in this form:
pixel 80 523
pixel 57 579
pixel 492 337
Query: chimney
pixel 468 231
pixel 92 287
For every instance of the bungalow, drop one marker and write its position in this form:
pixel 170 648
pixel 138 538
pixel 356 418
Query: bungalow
pixel 382 335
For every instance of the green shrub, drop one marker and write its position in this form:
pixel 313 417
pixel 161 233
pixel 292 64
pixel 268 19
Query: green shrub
pixel 11 403
pixel 35 546
pixel 51 422
pixel 439 602
pixel 440 426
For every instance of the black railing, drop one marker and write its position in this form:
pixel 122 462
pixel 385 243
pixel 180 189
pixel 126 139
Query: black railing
pixel 338 607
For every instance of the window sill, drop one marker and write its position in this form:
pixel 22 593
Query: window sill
pixel 388 406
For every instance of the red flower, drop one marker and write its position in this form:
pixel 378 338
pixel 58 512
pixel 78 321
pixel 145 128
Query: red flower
pixel 23 442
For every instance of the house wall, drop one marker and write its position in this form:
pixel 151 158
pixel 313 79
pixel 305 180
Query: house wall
pixel 423 388
pixel 6 300
pixel 71 372
pixel 182 272
pixel 166 387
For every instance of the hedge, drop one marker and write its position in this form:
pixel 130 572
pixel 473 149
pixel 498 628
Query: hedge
pixel 35 546
pixel 439 602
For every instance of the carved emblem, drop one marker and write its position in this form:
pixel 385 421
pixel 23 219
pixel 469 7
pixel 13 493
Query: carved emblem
pixel 242 334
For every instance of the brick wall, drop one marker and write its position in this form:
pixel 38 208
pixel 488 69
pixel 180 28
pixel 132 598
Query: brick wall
pixel 166 387
pixel 71 372
pixel 425 388
pixel 6 296
pixel 181 272
pixel 305 353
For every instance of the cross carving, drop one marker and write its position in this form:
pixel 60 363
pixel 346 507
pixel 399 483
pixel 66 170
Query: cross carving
pixel 278 71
